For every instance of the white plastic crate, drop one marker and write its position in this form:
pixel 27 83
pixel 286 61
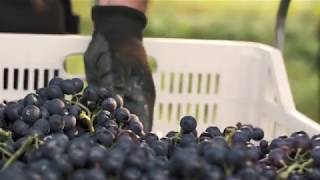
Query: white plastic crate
pixel 219 82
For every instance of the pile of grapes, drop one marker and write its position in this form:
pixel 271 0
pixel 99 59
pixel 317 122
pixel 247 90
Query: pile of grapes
pixel 65 132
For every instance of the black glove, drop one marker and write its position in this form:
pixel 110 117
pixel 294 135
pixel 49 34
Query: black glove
pixel 116 59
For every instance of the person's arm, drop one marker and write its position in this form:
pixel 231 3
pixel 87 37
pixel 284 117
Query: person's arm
pixel 116 58
pixel 140 5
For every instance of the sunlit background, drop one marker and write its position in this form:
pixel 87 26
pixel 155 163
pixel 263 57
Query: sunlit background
pixel 241 20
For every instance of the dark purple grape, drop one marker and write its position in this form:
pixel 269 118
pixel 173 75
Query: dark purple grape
pixel 269 172
pixel 69 121
pixel 56 123
pixel 102 117
pixel 42 92
pixel 188 140
pixel 75 111
pixel 253 153
pixel 248 173
pixel 214 131
pixel 109 104
pixel 122 115
pixel 257 134
pixel 215 154
pixel 313 174
pixel 104 137
pixel 42 125
pixel 295 176
pixel 97 154
pixel 13 111
pixel 68 87
pixel 112 164
pixel 44 112
pixel 301 141
pixel 104 93
pixel 240 137
pixel 188 124
pixel 55 106
pixel 160 148
pixel 315 154
pixel 150 138
pixel 119 100
pixel 78 157
pixel 30 114
pixel 95 174
pixel 54 145
pixel 54 92
pixel 20 128
pixel 135 124
pixel 277 157
pixel 90 93
pixel 56 81
pixel 63 164
pixel 31 99
pixel 236 156
pixel 78 85
pixel 131 174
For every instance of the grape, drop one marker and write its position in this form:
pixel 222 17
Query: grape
pixel 69 121
pixel 31 99
pixel 214 131
pixel 90 94
pixel 119 100
pixel 240 137
pixel 94 136
pixel 104 137
pixel 131 174
pixel 78 85
pixel 122 115
pixel 42 92
pixel 188 124
pixel 30 114
pixel 109 104
pixel 54 91
pixel 56 81
pixel 42 125
pixel 55 106
pixel 95 174
pixel 257 134
pixel 102 117
pixel 20 128
pixel 13 111
pixel 104 93
pixel 68 87
pixel 97 154
pixel 135 124
pixel 56 123
pixel 75 111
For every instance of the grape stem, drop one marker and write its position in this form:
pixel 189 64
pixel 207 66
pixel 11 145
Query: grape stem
pixel 303 165
pixel 285 174
pixel 27 143
pixel 298 154
pixel 5 152
pixel 87 120
pixel 6 134
pixel 82 107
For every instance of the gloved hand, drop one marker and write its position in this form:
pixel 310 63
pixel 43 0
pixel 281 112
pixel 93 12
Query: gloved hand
pixel 116 59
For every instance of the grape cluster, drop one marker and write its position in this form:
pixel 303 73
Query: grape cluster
pixel 66 132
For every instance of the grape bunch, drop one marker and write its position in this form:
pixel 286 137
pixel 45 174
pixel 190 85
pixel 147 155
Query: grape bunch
pixel 69 132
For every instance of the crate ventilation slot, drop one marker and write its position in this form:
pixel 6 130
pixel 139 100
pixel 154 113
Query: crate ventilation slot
pixel 26 79
pixel 171 112
pixel 189 83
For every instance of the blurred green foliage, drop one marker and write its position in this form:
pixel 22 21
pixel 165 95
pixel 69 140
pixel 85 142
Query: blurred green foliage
pixel 242 20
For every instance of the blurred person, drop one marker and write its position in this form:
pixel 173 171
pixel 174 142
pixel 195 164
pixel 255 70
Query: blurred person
pixel 115 57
